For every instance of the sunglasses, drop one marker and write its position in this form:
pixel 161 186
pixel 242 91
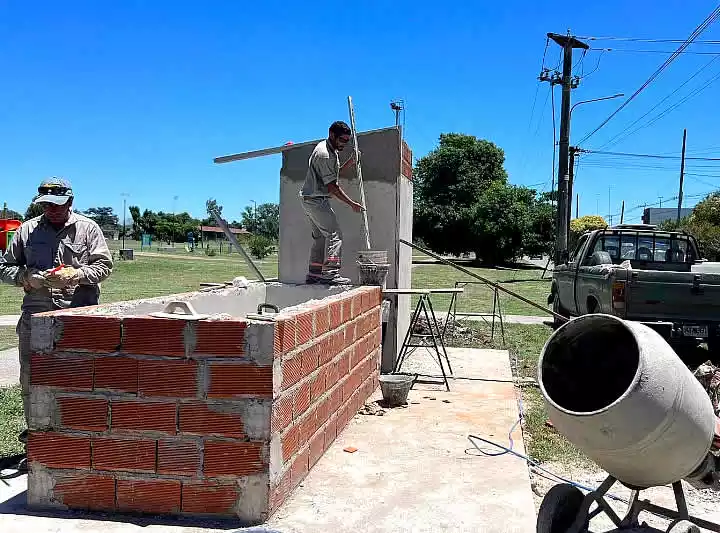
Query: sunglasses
pixel 57 191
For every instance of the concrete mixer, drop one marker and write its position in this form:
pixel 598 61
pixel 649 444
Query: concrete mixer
pixel 620 394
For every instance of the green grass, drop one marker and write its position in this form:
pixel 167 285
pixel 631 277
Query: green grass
pixel 12 421
pixel 478 298
pixel 8 337
pixel 524 342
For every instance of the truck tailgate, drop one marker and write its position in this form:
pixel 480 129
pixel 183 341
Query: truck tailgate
pixel 685 296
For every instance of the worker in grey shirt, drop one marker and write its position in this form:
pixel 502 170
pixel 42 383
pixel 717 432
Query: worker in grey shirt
pixel 59 259
pixel 321 182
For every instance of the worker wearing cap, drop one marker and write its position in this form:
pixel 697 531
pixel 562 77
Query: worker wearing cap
pixel 321 182
pixel 59 259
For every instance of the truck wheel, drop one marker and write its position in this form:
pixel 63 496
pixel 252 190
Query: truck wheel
pixel 560 310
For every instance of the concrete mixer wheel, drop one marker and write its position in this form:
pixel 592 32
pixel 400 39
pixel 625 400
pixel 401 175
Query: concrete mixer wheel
pixel 559 509
pixel 682 526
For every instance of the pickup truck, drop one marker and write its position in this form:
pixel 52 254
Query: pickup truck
pixel 640 273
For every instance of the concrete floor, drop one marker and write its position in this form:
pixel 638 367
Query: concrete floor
pixel 414 470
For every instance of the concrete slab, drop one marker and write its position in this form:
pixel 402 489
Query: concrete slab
pixel 9 320
pixel 414 469
pixel 9 367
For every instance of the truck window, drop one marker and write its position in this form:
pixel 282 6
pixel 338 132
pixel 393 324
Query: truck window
pixel 609 244
pixel 628 246
pixel 580 244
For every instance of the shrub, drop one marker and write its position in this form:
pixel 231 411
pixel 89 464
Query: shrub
pixel 260 246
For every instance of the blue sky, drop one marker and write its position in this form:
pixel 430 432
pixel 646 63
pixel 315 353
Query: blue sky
pixel 138 97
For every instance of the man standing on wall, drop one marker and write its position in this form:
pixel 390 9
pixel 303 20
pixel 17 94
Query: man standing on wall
pixel 59 259
pixel 321 182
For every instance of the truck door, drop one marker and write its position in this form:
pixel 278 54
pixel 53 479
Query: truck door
pixel 566 276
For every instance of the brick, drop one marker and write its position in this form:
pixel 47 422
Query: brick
pixel 125 455
pixel 304 327
pixel 322 319
pixel 233 458
pixel 135 415
pixel 317 447
pixel 179 457
pixel 309 359
pixel 302 400
pixel 291 371
pixel 355 357
pixel 365 301
pixel 282 410
pixel 377 337
pixel 220 337
pixel 336 399
pixel 89 414
pixel 211 419
pixel 85 491
pixel 348 389
pixel 346 304
pixel 285 331
pixel 176 379
pixel 229 380
pixel 290 441
pixel 156 496
pixel 280 492
pixel 308 427
pixel 119 374
pixel 70 373
pixel 331 375
pixel 350 334
pixel 58 451
pixel 317 384
pixel 300 467
pixel 323 411
pixel 92 333
pixel 209 497
pixel 356 306
pixel 375 298
pixel 154 336
pixel 330 432
pixel 343 363
pixel 335 314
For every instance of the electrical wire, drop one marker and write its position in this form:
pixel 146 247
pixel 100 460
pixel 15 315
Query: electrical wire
pixel 641 40
pixel 691 52
pixel 701 28
pixel 596 66
pixel 652 156
pixel 620 135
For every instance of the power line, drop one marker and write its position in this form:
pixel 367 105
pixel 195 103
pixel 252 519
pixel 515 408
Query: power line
pixel 652 156
pixel 632 51
pixel 642 40
pixel 702 27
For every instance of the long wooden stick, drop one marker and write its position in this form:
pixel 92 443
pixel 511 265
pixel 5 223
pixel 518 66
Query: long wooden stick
pixel 358 169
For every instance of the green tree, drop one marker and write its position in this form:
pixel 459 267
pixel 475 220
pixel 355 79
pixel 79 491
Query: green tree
pixel 704 224
pixel 103 216
pixel 33 210
pixel 463 203
pixel 578 226
pixel 265 222
pixel 12 215
pixel 260 246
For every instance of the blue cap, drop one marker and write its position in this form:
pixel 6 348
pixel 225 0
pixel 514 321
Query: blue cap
pixel 54 191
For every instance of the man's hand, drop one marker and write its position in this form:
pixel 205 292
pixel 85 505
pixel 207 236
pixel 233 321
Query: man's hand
pixel 32 279
pixel 358 208
pixel 65 277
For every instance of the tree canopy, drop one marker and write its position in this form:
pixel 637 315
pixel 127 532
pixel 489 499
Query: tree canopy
pixel 264 221
pixel 704 224
pixel 463 203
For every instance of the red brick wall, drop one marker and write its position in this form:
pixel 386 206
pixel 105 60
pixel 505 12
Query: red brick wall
pixel 169 416
pixel 326 378
pixel 407 162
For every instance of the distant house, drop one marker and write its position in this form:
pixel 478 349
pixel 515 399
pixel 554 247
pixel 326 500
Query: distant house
pixel 656 215
pixel 209 233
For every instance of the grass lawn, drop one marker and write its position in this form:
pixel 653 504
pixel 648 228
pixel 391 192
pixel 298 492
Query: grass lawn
pixel 478 297
pixel 8 338
pixel 525 342
pixel 12 421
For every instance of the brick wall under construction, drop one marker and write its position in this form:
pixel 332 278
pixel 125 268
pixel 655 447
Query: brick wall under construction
pixel 194 417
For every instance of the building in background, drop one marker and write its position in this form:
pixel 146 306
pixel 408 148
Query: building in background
pixel 656 215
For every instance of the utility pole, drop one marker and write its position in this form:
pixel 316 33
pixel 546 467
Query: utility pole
pixel 660 200
pixel 682 175
pixel 124 195
pixel 571 178
pixel 568 43
pixel 577 205
pixel 622 212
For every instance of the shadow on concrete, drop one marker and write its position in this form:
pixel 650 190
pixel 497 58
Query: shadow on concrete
pixel 17 505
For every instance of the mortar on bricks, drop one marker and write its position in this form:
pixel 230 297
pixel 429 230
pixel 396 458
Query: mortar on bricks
pixel 373 267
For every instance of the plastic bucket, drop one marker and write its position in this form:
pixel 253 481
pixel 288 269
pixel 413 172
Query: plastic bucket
pixel 396 387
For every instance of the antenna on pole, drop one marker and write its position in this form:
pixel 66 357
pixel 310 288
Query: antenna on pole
pixel 397 106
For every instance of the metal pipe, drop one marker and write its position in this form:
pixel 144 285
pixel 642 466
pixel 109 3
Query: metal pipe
pixel 484 280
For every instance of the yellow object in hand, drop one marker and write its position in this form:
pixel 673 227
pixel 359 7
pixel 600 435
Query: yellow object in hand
pixel 65 277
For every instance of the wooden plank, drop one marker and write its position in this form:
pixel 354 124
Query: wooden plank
pixel 260 153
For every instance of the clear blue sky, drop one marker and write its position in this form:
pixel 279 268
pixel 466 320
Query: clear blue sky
pixel 138 97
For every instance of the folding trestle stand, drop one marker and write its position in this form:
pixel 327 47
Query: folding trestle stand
pixel 565 509
pixel 432 340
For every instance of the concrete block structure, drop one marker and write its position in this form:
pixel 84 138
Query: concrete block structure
pixel 387 177
pixel 221 416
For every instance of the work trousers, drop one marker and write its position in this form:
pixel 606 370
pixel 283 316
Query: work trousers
pixel 325 252
pixel 23 331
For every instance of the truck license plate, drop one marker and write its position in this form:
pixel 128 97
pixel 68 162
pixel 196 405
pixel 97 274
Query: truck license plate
pixel 695 331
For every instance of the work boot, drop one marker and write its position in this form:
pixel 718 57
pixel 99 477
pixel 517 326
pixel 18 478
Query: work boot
pixel 334 280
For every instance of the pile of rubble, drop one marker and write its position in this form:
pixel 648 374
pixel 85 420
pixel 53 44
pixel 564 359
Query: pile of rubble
pixel 709 377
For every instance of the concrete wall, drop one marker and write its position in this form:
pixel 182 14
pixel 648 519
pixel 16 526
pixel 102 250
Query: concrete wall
pixel 217 417
pixel 388 197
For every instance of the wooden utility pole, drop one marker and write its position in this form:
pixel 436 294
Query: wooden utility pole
pixel 568 43
pixel 571 178
pixel 622 212
pixel 577 205
pixel 682 176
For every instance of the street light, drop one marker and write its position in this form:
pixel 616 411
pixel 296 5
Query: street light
pixel 124 195
pixel 618 95
pixel 255 215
